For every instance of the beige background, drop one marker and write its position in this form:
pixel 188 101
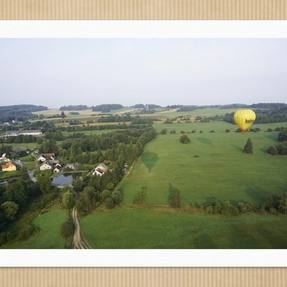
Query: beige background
pixel 140 277
pixel 143 9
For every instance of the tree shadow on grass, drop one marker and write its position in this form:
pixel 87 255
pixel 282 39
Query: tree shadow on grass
pixel 149 159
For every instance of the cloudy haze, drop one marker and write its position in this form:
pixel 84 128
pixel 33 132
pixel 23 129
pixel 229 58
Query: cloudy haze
pixel 129 71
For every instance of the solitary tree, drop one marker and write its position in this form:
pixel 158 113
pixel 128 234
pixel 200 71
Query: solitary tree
pixel 10 209
pixel 174 199
pixel 63 115
pixel 248 148
pixel 184 139
pixel 163 132
pixel 68 200
pixel 272 150
pixel 140 196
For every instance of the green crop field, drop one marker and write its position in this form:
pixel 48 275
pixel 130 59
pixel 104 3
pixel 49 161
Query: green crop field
pixel 212 165
pixel 151 228
pixel 49 235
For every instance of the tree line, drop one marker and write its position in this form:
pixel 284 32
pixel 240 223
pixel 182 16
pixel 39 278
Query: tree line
pixel 19 196
pixel 121 151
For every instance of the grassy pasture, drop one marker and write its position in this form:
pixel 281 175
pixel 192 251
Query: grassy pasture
pixel 49 235
pixel 151 228
pixel 203 112
pixel 90 133
pixel 220 170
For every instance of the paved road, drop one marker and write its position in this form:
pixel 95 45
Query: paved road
pixel 78 241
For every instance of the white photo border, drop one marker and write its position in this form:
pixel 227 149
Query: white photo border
pixel 140 257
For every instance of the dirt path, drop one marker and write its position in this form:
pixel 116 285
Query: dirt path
pixel 78 241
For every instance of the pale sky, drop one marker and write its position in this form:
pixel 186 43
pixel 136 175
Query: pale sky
pixel 54 72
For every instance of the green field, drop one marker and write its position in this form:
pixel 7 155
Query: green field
pixel 219 171
pixel 49 235
pixel 151 228
pixel 203 112
pixel 213 166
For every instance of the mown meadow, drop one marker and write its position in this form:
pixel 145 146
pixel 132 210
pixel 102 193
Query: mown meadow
pixel 211 166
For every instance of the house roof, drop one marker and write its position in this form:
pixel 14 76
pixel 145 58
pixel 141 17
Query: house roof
pixel 47 156
pixel 7 164
pixel 102 166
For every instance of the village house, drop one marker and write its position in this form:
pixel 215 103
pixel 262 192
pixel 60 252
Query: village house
pixel 57 168
pixel 100 170
pixel 46 157
pixel 45 166
pixel 8 166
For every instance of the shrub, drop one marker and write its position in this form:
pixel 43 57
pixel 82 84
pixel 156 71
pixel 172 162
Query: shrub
pixel 163 132
pixel 282 149
pixel 110 186
pixel 27 231
pixel 140 196
pixel 106 193
pixel 272 150
pixel 174 199
pixel 227 130
pixel 68 228
pixel 117 196
pixel 184 139
pixel 248 148
pixel 109 203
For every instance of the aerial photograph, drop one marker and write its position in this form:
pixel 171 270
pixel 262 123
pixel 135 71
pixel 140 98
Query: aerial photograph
pixel 143 143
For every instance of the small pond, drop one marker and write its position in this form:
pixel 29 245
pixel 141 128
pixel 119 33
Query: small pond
pixel 62 180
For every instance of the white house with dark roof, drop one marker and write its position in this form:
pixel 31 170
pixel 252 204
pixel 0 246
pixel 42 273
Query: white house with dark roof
pixel 100 170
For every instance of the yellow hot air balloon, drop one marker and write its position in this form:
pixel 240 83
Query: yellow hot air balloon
pixel 244 118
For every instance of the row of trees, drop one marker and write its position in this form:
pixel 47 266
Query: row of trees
pixel 21 139
pixel 89 192
pixel 280 149
pixel 18 112
pixel 274 204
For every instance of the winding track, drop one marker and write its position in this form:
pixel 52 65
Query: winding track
pixel 78 241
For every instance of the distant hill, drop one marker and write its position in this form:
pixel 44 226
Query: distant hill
pixel 138 106
pixel 18 112
pixel 74 108
pixel 269 106
pixel 106 108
